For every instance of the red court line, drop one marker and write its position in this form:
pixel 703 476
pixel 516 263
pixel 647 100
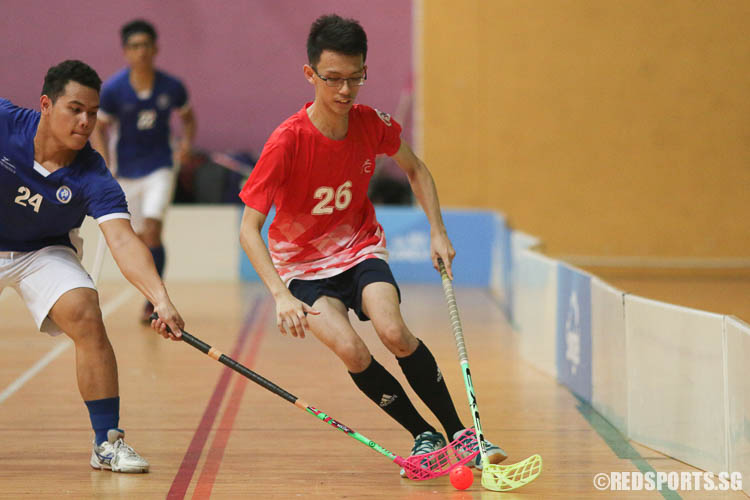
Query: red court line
pixel 216 452
pixel 192 455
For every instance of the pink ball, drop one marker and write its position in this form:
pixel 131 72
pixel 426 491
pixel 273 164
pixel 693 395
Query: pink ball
pixel 461 477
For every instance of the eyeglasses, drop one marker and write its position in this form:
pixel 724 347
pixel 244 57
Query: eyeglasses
pixel 139 45
pixel 356 81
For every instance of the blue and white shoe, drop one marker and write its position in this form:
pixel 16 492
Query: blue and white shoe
pixel 113 454
pixel 495 454
pixel 427 442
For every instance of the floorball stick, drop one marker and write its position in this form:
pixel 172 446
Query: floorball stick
pixel 417 467
pixel 494 477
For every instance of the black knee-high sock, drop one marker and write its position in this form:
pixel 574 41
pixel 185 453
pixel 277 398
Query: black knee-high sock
pixel 387 393
pixel 425 378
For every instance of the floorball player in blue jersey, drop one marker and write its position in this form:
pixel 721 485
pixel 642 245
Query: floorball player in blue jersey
pixel 50 179
pixel 138 102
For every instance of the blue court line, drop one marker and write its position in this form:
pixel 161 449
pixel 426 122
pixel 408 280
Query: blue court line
pixel 617 443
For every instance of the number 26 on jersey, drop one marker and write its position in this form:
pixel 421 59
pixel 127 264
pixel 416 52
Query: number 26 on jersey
pixel 340 198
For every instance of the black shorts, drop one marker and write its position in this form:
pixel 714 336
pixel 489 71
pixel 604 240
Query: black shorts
pixel 347 286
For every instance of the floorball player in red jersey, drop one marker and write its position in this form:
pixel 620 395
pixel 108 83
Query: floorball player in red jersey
pixel 326 251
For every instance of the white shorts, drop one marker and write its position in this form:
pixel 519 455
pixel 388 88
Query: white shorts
pixel 41 277
pixel 148 196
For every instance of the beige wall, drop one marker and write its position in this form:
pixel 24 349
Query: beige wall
pixel 605 127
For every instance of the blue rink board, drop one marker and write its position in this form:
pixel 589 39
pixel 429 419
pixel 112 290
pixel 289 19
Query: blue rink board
pixel 408 240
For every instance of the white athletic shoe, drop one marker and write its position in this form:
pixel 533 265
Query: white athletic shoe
pixel 427 442
pixel 113 454
pixel 495 454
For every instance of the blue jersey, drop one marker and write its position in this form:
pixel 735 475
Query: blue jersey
pixel 39 208
pixel 143 142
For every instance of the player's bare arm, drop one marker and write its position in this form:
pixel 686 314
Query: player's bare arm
pixel 290 312
pixel 189 127
pixel 99 137
pixel 423 185
pixel 135 261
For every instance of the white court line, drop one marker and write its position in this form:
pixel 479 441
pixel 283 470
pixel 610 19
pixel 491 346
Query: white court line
pixel 107 309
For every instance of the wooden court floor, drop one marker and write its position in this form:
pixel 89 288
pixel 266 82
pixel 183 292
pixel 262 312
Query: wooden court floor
pixel 209 433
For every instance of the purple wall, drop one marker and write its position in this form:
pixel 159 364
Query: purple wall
pixel 241 60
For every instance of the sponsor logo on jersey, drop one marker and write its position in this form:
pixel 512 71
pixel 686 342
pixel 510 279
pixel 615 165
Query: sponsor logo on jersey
pixel 64 194
pixel 367 166
pixel 385 117
pixel 162 101
pixel 5 162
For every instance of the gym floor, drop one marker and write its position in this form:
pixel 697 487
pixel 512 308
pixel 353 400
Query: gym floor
pixel 208 432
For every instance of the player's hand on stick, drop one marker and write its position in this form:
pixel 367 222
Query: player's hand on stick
pixel 291 315
pixel 169 323
pixel 442 248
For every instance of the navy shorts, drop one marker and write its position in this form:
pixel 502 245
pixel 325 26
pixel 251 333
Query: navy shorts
pixel 347 286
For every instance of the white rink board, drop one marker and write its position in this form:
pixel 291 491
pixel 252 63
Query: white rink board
pixel 609 358
pixel 201 242
pixel 738 384
pixel 676 381
pixel 535 308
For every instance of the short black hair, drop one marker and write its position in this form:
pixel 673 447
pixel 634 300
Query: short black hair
pixel 334 33
pixel 137 26
pixel 58 76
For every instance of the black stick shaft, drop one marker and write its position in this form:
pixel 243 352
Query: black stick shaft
pixel 236 366
pixel 197 343
pixel 267 384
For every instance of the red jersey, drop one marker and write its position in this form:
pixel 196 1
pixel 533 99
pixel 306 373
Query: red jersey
pixel 324 222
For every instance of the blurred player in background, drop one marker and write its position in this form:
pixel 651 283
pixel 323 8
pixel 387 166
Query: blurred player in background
pixel 50 179
pixel 140 99
pixel 325 244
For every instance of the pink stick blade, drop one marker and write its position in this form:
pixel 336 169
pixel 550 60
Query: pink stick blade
pixel 413 470
pixel 439 463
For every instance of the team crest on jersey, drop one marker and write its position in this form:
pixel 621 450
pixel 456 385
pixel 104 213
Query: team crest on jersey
pixel 162 101
pixel 64 194
pixel 385 117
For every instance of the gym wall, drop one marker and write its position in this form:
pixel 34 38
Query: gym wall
pixel 241 61
pixel 617 128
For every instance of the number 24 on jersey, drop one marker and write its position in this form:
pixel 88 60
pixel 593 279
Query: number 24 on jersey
pixel 25 196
